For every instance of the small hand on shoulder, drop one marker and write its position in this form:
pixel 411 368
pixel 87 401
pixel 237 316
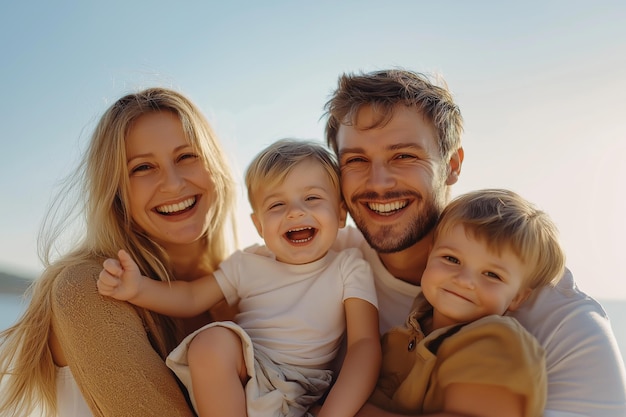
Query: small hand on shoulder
pixel 120 278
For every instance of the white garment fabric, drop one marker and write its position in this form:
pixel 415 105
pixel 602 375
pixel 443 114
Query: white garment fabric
pixel 273 389
pixel 395 297
pixel 70 401
pixel 586 375
pixel 293 315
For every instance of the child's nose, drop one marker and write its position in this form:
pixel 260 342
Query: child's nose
pixel 295 210
pixel 464 279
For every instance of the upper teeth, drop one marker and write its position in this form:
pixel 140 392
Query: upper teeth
pixel 387 207
pixel 299 228
pixel 172 208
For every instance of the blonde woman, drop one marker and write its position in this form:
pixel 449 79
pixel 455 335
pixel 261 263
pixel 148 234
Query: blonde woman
pixel 155 182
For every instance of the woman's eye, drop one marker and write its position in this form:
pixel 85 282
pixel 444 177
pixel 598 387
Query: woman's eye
pixel 140 168
pixel 188 156
pixel 405 156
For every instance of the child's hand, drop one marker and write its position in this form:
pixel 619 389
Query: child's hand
pixel 120 279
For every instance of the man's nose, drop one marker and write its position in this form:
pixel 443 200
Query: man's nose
pixel 380 176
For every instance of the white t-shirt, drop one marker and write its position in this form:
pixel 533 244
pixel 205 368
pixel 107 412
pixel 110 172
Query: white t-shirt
pixel 295 313
pixel 586 376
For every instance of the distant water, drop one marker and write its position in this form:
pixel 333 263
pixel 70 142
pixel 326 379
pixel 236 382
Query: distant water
pixel 11 306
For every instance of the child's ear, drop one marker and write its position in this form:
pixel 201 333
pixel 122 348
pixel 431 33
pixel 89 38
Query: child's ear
pixel 343 214
pixel 519 299
pixel 257 224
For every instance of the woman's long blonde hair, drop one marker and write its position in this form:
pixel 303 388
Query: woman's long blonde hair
pixel 100 187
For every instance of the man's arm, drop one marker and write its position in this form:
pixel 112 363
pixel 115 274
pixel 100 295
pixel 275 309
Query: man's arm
pixel 585 369
pixel 586 376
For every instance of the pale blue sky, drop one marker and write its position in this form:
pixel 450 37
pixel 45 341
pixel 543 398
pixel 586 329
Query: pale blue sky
pixel 541 86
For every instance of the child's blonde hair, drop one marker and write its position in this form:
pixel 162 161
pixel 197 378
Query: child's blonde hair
pixel 274 163
pixel 504 220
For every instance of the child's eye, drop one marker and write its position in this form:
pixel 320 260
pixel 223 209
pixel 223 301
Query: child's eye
pixel 312 197
pixel 451 259
pixel 493 275
pixel 274 206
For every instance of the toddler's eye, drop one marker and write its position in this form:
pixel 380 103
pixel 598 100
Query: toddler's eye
pixel 451 259
pixel 493 275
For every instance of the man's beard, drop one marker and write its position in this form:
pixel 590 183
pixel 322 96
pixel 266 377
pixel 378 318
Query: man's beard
pixel 389 240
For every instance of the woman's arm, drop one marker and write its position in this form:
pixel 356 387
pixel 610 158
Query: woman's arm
pixel 108 350
pixel 122 280
pixel 361 364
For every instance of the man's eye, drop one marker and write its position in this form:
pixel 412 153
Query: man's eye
pixel 353 159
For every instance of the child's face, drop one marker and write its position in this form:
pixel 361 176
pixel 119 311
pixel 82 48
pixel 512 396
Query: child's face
pixel 465 281
pixel 299 218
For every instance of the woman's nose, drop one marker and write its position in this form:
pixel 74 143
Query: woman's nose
pixel 171 180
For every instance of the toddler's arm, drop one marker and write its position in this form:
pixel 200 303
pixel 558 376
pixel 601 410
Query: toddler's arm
pixel 361 365
pixel 122 280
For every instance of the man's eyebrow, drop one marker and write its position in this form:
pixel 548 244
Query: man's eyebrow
pixel 393 147
pixel 349 150
pixel 408 145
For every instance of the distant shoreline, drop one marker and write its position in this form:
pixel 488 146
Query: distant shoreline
pixel 12 284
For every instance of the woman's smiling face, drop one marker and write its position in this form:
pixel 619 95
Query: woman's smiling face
pixel 171 190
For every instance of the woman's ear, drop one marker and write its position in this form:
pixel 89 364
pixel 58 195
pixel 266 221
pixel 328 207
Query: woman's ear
pixel 519 299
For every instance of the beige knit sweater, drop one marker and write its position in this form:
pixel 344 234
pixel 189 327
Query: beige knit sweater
pixel 109 351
